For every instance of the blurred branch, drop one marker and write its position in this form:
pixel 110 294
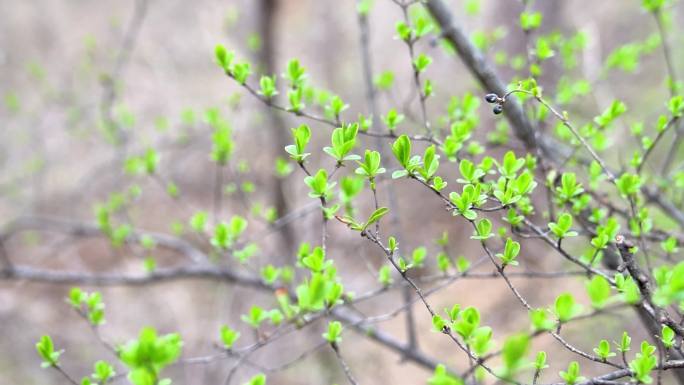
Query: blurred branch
pixel 116 279
pixel 655 196
pixel 268 11
pixel 83 229
pixel 109 81
pixel 667 54
pixel 4 258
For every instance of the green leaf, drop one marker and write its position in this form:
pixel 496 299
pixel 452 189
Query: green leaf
pixel 421 62
pixel 384 80
pixel 468 322
pixel 438 323
pixel 483 230
pixel 198 222
pixel 453 312
pixel 511 250
pixel 625 343
pixel 462 264
pixel 103 371
pixel 294 97
pixel 333 335
pixel 47 352
pixel 653 5
pixel 530 20
pixel 385 275
pixel 267 86
pixel 599 291
pixel 514 350
pixel 442 377
pixel 430 163
pixel 566 308
pixel 296 73
pixel 149 354
pixel 363 7
pixel 572 375
pixel 241 71
pixel 630 290
pixel 370 167
pixel 669 245
pixel 335 106
pixel 667 335
pixel 403 31
pixel 392 119
pixel 562 228
pixel 569 187
pixel 676 106
pixel 469 172
pixel 399 174
pixel 77 297
pixel 301 136
pixel 270 274
pixel 481 340
pixel 616 109
pixel 644 363
pixel 510 165
pixel 255 317
pixel 343 140
pixel 540 320
pixel 315 261
pixel 259 379
pixel 628 184
pixel 540 361
pixel 402 150
pixel 229 336
pixel 603 350
pixel 392 244
pixel 223 58
pixel 318 183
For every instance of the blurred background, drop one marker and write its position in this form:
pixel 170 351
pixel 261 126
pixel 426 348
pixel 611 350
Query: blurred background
pixel 57 59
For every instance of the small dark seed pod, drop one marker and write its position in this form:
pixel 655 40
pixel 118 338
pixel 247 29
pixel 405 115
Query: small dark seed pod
pixel 498 109
pixel 491 98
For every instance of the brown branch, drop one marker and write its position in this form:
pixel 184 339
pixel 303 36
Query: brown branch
pixel 482 70
pixel 343 363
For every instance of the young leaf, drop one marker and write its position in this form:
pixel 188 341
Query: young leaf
pixel 599 291
pixel 333 335
pixel 562 228
pixel 442 377
pixel 483 230
pixel 259 379
pixel 603 350
pixel 229 336
pixel 376 216
pixel 402 150
pixel 513 352
pixel 572 375
pixel 566 308
pixel 47 352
